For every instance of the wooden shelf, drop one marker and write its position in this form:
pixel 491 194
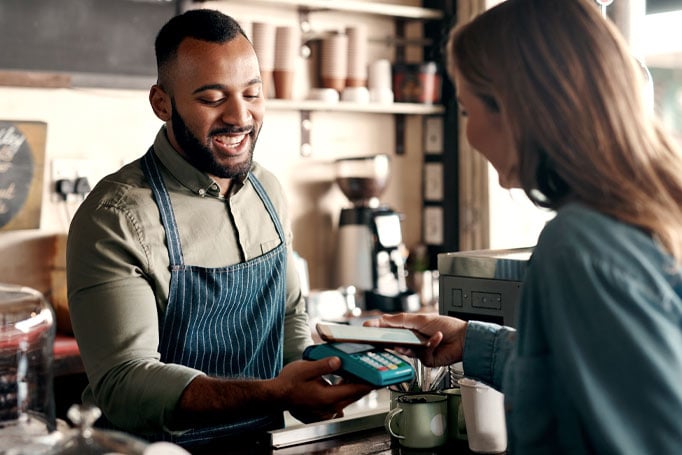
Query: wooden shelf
pixel 344 106
pixel 380 9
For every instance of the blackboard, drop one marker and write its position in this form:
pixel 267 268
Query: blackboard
pixel 103 37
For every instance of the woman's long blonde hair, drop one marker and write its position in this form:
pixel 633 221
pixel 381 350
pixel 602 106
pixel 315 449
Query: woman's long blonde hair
pixel 574 98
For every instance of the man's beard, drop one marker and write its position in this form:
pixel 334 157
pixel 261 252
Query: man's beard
pixel 201 157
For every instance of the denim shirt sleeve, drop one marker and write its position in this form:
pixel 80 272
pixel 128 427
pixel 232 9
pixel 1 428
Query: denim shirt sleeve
pixel 487 348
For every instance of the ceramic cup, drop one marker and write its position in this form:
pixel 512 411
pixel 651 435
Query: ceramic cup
pixel 419 420
pixel 484 415
pixel 355 95
pixel 456 424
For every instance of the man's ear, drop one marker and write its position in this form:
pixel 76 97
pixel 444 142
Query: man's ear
pixel 160 102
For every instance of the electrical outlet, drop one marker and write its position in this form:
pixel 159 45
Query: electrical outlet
pixel 70 169
pixel 65 173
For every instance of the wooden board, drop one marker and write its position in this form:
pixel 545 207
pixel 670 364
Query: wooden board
pixel 22 165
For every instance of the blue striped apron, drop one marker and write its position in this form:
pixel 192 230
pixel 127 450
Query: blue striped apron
pixel 225 321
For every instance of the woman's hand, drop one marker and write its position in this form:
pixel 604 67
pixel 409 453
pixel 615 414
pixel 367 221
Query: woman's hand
pixel 446 335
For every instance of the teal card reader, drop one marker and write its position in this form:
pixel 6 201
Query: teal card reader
pixel 365 361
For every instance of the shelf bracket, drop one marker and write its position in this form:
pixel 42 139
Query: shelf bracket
pixel 306 126
pixel 400 133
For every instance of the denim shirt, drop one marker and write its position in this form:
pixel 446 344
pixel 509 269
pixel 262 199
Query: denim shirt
pixel 596 363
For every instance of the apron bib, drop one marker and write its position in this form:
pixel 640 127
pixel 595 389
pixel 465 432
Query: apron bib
pixel 225 321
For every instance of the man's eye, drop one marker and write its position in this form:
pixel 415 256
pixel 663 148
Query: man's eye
pixel 211 101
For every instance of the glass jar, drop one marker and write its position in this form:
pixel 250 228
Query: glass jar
pixel 27 330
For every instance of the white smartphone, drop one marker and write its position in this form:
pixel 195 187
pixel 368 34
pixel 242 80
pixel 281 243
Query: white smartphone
pixel 371 335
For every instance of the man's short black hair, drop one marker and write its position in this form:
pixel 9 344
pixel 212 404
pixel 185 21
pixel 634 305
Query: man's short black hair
pixel 202 24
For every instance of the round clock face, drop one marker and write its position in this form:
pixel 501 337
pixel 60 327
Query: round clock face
pixel 16 171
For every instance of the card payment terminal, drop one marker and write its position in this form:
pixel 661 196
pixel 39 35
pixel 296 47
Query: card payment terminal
pixel 374 365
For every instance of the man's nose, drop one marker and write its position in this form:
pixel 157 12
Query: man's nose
pixel 236 112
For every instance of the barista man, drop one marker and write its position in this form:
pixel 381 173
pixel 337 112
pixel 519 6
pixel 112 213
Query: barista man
pixel 183 293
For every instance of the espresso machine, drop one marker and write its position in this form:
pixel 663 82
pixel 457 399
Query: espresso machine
pixel 370 247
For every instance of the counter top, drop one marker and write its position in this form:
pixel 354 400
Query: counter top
pixel 375 441
pixel 365 441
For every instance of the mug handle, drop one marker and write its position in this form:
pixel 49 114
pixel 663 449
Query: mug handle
pixel 388 422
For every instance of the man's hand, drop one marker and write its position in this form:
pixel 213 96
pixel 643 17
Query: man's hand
pixel 310 397
pixel 446 335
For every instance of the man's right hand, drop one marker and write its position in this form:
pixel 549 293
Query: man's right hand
pixel 309 397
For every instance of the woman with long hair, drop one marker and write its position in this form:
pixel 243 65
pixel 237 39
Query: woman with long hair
pixel 555 101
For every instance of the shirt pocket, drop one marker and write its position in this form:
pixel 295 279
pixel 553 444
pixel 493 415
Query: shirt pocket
pixel 269 245
pixel 528 397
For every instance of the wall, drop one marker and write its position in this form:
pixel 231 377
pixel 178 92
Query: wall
pixel 114 126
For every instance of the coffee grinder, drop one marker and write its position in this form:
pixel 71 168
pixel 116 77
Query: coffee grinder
pixel 369 248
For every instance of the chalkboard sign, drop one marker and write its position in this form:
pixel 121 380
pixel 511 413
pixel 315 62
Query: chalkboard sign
pixel 99 37
pixel 22 158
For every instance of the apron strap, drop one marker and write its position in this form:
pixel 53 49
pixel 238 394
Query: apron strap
pixel 163 202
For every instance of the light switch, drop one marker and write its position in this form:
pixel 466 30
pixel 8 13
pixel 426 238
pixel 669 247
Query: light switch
pixel 433 225
pixel 433 135
pixel 433 181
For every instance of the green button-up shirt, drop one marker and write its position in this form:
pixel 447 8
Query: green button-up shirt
pixel 118 277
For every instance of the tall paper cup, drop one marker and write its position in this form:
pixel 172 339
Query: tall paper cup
pixel 287 44
pixel 357 56
pixel 334 64
pixel 484 416
pixel 264 44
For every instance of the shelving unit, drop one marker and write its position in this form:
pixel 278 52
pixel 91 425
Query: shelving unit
pixel 380 9
pixel 399 110
pixel 306 107
pixel 344 106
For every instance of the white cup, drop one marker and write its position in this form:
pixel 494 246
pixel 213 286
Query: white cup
pixel 381 95
pixel 380 76
pixel 484 416
pixel 328 95
pixel 355 95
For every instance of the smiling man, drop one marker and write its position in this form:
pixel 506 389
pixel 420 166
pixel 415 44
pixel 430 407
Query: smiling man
pixel 183 293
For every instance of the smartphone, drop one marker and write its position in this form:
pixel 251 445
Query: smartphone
pixel 371 335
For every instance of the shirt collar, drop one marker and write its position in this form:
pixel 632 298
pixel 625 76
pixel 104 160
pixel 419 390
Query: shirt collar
pixel 187 175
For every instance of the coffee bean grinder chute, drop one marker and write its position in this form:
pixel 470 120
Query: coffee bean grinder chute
pixel 369 253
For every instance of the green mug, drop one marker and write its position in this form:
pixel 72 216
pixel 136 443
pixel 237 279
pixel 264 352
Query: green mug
pixel 456 424
pixel 419 421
